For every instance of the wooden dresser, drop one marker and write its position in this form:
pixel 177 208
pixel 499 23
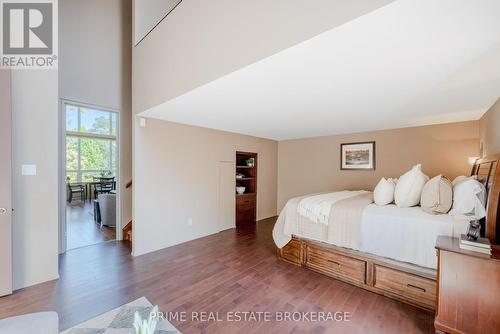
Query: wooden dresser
pixel 246 209
pixel 468 299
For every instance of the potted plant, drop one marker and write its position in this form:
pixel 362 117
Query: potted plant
pixel 143 326
pixel 105 173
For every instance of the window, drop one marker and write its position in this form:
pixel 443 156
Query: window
pixel 90 143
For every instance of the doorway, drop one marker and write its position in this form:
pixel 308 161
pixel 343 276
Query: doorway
pixel 90 175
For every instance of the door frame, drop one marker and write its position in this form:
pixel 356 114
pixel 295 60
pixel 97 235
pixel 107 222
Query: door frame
pixel 7 281
pixel 220 199
pixel 62 170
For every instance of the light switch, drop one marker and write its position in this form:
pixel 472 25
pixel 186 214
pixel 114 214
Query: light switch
pixel 142 122
pixel 28 170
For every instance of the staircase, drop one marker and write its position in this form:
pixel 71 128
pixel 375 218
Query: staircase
pixel 127 232
pixel 127 229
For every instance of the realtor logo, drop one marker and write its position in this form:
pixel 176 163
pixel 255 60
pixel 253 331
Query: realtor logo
pixel 29 38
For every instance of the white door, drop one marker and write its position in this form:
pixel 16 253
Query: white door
pixel 227 197
pixel 5 185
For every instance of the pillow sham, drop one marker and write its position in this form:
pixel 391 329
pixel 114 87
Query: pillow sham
pixel 437 195
pixel 409 187
pixel 383 193
pixel 469 198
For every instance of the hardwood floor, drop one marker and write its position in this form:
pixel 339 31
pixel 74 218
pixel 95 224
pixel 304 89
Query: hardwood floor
pixel 226 272
pixel 81 229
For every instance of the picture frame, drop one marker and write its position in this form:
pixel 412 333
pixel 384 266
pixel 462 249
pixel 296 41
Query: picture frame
pixel 358 156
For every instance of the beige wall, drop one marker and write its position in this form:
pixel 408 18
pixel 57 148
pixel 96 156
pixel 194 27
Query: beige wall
pixel 201 41
pixel 35 198
pixel 489 126
pixel 313 165
pixel 95 67
pixel 176 177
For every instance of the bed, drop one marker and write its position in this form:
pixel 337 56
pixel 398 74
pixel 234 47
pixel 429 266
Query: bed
pixel 384 249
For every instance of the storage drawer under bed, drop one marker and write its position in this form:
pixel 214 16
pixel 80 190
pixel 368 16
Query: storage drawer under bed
pixel 335 265
pixel 412 287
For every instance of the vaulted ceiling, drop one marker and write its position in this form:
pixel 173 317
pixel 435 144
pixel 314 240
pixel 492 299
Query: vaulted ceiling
pixel 411 62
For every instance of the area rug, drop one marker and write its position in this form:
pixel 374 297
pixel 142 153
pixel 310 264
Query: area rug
pixel 120 321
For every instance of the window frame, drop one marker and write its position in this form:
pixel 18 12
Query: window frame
pixel 112 138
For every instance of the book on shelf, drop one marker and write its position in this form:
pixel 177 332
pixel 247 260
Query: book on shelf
pixel 480 242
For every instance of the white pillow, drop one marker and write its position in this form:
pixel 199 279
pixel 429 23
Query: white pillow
pixel 409 187
pixel 463 178
pixel 469 198
pixel 383 193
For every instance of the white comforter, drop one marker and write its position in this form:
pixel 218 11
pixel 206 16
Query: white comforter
pixel 317 208
pixel 403 234
pixel 343 225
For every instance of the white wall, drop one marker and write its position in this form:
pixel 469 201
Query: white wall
pixel 148 13
pixel 176 177
pixel 95 39
pixel 94 67
pixel 35 198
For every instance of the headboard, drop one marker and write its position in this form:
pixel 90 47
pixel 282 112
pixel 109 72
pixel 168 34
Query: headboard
pixel 487 171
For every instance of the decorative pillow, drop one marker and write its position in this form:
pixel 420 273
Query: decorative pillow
pixel 463 178
pixel 409 187
pixel 469 198
pixel 437 195
pixel 383 193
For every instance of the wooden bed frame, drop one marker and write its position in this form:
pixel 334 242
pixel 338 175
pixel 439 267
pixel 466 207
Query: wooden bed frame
pixel 403 281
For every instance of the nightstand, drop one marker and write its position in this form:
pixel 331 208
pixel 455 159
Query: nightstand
pixel 468 297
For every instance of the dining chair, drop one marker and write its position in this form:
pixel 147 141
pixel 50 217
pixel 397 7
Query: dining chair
pixel 76 188
pixel 105 185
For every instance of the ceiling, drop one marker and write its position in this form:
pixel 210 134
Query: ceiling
pixel 412 62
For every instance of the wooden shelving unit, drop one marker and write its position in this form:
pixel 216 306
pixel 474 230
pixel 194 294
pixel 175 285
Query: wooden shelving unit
pixel 246 203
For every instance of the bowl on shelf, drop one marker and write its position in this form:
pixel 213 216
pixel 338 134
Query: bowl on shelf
pixel 240 190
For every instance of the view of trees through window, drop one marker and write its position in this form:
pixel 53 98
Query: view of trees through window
pixel 90 143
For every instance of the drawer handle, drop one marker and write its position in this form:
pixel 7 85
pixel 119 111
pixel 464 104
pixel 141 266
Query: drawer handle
pixel 334 262
pixel 414 287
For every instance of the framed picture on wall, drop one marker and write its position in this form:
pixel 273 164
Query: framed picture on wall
pixel 357 156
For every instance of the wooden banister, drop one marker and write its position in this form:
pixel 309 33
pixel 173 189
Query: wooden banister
pixel 127 231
